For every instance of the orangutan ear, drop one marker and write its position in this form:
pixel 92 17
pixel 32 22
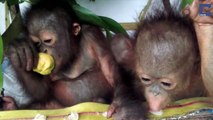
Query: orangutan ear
pixel 76 28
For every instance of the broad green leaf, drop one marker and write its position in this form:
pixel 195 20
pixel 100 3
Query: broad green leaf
pixel 113 26
pixel 88 16
pixel 13 30
pixel 184 3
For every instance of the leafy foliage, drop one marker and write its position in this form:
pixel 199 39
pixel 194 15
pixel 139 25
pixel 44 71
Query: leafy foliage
pixel 185 3
pixel 13 30
pixel 84 15
pixel 112 25
pixel 88 16
pixel 15 2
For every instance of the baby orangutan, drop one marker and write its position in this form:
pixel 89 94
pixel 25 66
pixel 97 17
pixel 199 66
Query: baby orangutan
pixel 173 61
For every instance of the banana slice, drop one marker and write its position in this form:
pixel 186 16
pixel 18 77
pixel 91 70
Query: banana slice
pixel 45 64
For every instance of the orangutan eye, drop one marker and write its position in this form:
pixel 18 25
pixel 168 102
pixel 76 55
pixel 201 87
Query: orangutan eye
pixel 48 41
pixel 166 84
pixel 146 81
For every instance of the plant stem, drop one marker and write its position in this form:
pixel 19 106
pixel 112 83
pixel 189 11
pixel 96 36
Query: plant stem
pixel 145 9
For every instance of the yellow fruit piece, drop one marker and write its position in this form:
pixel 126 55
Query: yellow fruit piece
pixel 45 64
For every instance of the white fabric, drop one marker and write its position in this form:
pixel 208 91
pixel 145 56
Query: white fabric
pixel 11 85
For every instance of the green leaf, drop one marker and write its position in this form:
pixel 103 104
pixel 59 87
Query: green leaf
pixel 13 30
pixel 15 2
pixel 113 26
pixel 88 16
pixel 184 3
